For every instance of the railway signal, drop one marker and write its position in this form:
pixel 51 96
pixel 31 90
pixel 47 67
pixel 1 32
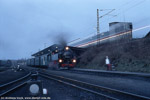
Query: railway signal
pixel 35 86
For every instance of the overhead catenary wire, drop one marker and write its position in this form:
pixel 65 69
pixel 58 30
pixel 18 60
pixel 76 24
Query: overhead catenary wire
pixel 121 10
pixel 127 9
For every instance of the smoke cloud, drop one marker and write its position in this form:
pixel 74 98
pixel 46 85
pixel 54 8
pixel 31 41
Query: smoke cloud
pixel 61 38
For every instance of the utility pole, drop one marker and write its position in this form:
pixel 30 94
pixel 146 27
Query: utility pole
pixel 97 25
pixel 98 17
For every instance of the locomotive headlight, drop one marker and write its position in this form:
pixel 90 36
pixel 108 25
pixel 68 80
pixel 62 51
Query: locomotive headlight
pixel 56 50
pixel 67 48
pixel 60 60
pixel 74 60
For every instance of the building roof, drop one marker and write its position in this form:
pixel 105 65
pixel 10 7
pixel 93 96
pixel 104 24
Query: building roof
pixel 58 47
pixel 48 50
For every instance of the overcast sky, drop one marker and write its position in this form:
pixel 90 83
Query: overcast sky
pixel 26 25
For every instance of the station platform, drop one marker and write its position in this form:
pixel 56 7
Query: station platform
pixel 115 72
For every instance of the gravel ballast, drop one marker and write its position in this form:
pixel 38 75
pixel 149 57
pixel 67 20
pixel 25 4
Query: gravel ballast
pixel 11 75
pixel 129 85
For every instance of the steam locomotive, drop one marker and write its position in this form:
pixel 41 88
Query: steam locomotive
pixel 63 58
pixel 55 57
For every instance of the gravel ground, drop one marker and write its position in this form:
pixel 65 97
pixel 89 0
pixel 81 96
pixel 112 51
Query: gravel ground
pixel 4 68
pixel 130 85
pixel 59 91
pixel 11 75
pixel 56 91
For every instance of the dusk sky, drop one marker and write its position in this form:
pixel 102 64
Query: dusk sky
pixel 29 25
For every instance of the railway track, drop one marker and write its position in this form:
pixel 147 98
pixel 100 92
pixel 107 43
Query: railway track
pixel 13 85
pixel 106 93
